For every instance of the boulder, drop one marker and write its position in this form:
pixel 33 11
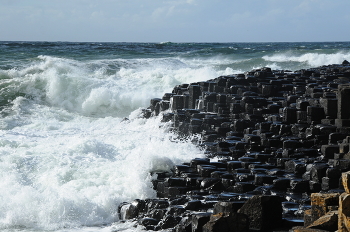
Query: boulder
pixel 227 222
pixel 264 212
pixel 327 222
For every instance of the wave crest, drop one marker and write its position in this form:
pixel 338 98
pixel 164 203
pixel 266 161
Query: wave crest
pixel 102 87
pixel 311 59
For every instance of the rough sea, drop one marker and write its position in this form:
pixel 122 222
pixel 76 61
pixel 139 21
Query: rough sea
pixel 69 156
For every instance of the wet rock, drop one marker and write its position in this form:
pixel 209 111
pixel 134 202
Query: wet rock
pixel 169 222
pixel 131 210
pixel 194 205
pixel 148 222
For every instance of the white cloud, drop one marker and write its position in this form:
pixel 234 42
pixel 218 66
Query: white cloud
pixel 162 12
pixel 191 1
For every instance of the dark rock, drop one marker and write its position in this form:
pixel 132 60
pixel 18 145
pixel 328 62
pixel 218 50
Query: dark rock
pixel 227 207
pixel 156 204
pixel 264 212
pixel 148 222
pixel 194 205
pixel 318 171
pixel 157 214
pixel 227 222
pixel 343 102
pixel 131 210
pixel 199 220
pixel 328 222
pixel 299 186
pixel 169 222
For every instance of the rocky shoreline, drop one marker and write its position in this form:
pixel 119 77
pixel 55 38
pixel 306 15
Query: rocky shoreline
pixel 281 140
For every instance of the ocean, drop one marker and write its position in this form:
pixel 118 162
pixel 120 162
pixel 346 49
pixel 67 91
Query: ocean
pixel 72 142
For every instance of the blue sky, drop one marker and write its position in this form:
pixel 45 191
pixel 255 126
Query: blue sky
pixel 175 20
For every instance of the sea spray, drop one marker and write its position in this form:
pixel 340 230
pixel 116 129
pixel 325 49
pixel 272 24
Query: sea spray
pixel 76 175
pixel 314 59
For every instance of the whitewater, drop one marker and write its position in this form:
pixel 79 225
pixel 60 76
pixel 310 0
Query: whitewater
pixel 73 144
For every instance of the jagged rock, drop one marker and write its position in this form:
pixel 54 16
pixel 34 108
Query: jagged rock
pixel 264 212
pixel 193 205
pixel 169 222
pixel 321 202
pixel 346 181
pixel 303 229
pixel 327 222
pixel 131 210
pixel 148 222
pixel 227 207
pixel 344 212
pixel 227 222
pixel 199 220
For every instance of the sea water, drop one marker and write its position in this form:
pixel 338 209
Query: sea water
pixel 73 144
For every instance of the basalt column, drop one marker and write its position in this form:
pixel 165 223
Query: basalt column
pixel 343 96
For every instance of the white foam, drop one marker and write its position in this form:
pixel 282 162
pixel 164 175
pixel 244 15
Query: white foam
pixel 65 170
pixel 311 59
pixel 107 87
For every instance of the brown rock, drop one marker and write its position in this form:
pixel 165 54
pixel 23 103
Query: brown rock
pixel 346 181
pixel 303 229
pixel 327 222
pixel 344 213
pixel 320 203
pixel 308 220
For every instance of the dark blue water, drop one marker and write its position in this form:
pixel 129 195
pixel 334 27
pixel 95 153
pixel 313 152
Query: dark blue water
pixel 258 53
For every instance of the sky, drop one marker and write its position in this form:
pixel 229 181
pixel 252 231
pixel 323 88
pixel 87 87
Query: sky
pixel 175 20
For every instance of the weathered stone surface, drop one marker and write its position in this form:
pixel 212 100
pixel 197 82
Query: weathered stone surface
pixel 344 213
pixel 303 229
pixel 227 207
pixel 327 222
pixel 227 222
pixel 169 221
pixel 199 220
pixel 346 181
pixel 318 171
pixel 264 212
pixel 320 203
pixel 343 101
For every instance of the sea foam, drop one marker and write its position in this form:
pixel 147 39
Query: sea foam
pixel 67 156
pixel 77 174
pixel 311 59
pixel 103 87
